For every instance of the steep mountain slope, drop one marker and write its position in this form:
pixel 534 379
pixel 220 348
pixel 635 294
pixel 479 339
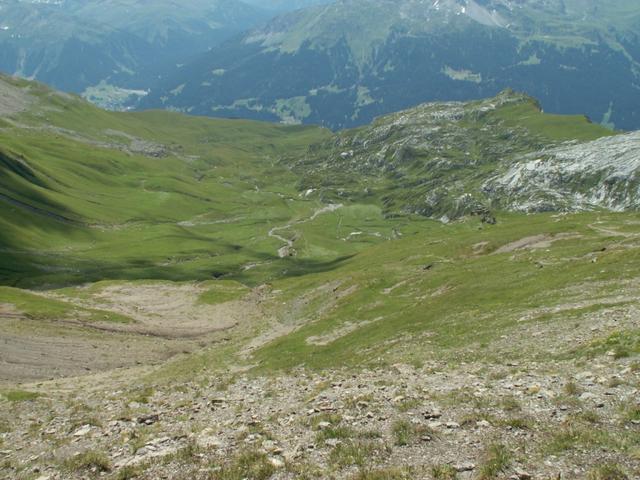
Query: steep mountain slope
pixel 86 191
pixel 77 44
pixel 223 314
pixel 342 64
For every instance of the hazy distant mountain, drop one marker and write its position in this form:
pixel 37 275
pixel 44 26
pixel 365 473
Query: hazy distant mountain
pixel 76 44
pixel 344 63
pixel 286 5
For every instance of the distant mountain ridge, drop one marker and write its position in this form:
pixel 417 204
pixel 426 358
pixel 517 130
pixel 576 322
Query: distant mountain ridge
pixel 285 5
pixel 75 45
pixel 342 64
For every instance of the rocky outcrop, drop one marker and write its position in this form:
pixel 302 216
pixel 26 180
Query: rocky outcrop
pixel 604 173
pixel 452 159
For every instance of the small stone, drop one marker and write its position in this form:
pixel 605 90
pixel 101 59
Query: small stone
pixel 522 475
pixel 464 467
pixel 148 419
pixel 324 425
pixel 452 425
pixel 483 424
pixel 277 462
pixel 588 396
pixel 82 431
pixel 432 414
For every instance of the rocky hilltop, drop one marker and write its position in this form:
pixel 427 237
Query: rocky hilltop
pixel 591 175
pixel 445 160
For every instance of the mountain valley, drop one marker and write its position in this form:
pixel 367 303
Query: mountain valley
pixel 449 292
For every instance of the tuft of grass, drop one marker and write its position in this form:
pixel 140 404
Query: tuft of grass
pixel 443 472
pixel 5 427
pixel 510 404
pixel 249 464
pixel 589 416
pixel 332 418
pixel 408 404
pixel 357 453
pixel 20 396
pixel 623 344
pixel 405 432
pixel 383 474
pixel 369 434
pixel 186 454
pixel 631 412
pixel 138 440
pixel 518 423
pixel 89 461
pixel 85 420
pixel 563 440
pixel 607 472
pixel 572 388
pixel 129 472
pixel 143 396
pixel 497 459
pixel 335 433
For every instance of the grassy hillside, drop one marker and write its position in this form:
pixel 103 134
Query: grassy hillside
pixel 92 194
pixel 183 297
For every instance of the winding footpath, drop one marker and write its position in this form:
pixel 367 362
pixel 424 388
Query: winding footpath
pixel 287 250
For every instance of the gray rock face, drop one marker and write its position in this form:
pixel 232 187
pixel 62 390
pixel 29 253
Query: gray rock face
pixel 599 174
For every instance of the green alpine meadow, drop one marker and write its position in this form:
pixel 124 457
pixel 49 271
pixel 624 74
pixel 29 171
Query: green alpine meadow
pixel 417 291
